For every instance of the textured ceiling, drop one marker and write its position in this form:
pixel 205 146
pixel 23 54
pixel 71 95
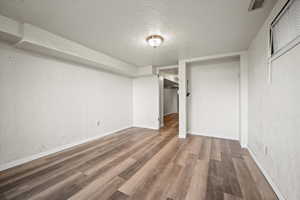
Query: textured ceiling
pixel 192 28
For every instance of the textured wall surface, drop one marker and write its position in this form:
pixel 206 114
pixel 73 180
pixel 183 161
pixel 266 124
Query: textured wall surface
pixel 46 103
pixel 274 112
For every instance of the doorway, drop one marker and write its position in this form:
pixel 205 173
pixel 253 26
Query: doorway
pixel 168 92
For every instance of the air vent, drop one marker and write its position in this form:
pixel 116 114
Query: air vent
pixel 256 4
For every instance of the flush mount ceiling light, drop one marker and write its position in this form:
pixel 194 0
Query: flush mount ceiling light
pixel 155 40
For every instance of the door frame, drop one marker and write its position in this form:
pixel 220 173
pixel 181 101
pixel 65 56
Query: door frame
pixel 243 93
pixel 161 92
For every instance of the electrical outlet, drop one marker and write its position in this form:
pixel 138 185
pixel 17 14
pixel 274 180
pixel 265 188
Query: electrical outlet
pixel 98 123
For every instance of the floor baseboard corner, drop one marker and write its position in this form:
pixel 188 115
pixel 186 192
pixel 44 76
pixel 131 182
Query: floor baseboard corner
pixel 27 159
pixel 269 179
pixel 210 135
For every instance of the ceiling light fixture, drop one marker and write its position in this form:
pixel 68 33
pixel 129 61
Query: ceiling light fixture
pixel 155 40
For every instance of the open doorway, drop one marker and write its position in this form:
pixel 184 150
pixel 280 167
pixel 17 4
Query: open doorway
pixel 169 99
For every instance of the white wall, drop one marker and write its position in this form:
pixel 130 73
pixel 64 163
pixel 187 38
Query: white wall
pixel 146 102
pixel 170 101
pixel 213 107
pixel 46 103
pixel 274 113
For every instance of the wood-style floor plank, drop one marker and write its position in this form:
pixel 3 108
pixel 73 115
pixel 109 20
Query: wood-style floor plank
pixel 215 149
pixel 230 197
pixel 205 149
pixel 31 167
pixel 141 164
pixel 248 186
pixel 197 189
pixel 118 196
pixel 134 182
pixel 231 183
pixel 263 186
pixel 92 188
pixel 182 183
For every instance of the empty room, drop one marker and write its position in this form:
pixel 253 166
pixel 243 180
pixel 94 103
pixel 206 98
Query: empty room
pixel 149 99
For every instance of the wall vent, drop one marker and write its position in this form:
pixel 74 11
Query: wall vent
pixel 256 4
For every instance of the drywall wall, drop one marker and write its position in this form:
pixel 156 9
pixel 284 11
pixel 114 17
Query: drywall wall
pixel 274 113
pixel 46 104
pixel 146 102
pixel 213 106
pixel 170 101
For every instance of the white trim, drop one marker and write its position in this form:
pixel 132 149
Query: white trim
pixel 167 67
pixel 145 126
pixel 269 179
pixel 182 98
pixel 55 150
pixel 161 101
pixel 211 135
pixel 182 91
pixel 218 56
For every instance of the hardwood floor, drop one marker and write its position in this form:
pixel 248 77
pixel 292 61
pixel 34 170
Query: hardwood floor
pixel 141 164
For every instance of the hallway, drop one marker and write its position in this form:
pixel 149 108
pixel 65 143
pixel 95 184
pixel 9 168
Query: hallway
pixel 141 164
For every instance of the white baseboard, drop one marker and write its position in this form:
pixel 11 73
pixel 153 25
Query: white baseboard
pixel 144 126
pixel 55 150
pixel 269 179
pixel 211 135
